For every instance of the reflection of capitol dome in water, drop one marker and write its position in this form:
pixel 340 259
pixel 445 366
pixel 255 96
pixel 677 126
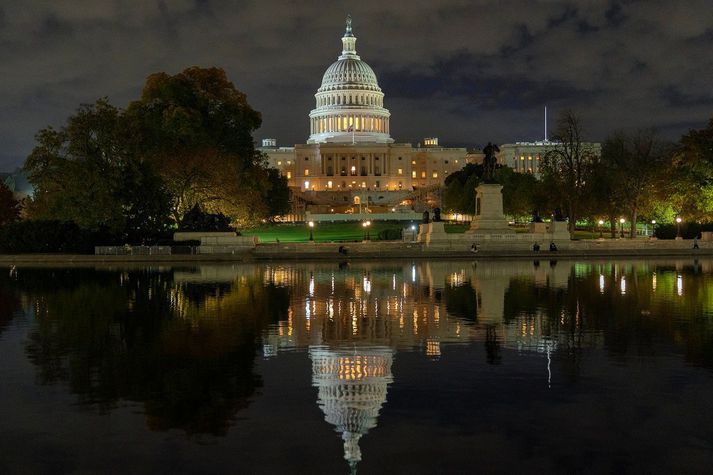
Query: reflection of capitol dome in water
pixel 352 386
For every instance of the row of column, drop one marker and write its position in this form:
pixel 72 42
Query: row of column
pixel 371 163
pixel 361 123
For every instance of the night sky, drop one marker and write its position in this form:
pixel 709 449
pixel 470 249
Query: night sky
pixel 465 71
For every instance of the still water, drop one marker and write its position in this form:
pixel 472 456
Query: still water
pixel 396 367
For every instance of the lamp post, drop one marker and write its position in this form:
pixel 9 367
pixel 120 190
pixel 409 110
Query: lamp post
pixel 678 227
pixel 601 223
pixel 621 227
pixel 311 230
pixel 653 227
pixel 366 225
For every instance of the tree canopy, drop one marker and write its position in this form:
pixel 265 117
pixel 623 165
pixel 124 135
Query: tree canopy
pixel 186 142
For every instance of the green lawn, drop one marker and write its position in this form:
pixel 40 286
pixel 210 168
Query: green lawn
pixel 353 231
pixel 323 232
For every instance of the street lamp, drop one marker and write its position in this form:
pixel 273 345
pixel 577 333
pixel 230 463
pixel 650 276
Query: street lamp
pixel 678 227
pixel 621 227
pixel 653 228
pixel 601 223
pixel 311 230
pixel 366 225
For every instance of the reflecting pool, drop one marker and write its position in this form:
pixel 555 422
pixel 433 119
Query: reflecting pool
pixel 391 367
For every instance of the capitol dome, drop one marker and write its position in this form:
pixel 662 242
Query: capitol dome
pixel 352 385
pixel 349 103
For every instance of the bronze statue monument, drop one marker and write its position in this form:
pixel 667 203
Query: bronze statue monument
pixel 489 162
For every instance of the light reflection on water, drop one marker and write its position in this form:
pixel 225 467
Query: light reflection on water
pixel 200 347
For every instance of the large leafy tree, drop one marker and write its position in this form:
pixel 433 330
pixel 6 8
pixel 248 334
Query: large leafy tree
pixel 196 128
pixel 634 165
pixel 74 170
pixel 85 173
pixel 569 166
pixel 691 186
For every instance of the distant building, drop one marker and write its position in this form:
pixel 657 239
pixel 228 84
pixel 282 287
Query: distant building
pixel 526 157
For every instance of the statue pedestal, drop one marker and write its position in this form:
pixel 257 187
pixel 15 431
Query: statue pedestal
pixel 432 232
pixel 538 228
pixel 489 217
pixel 559 230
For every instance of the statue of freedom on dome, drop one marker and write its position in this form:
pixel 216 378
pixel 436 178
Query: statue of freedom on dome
pixel 349 24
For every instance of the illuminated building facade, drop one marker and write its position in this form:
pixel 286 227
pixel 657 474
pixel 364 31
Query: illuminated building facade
pixel 526 157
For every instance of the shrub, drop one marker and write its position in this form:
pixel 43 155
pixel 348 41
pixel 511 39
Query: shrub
pixel 390 234
pixel 47 236
pixel 688 230
pixel 198 220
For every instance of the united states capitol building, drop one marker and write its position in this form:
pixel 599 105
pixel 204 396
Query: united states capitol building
pixel 351 164
pixel 350 158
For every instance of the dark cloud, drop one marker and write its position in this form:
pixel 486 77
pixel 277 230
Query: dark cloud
pixel 468 71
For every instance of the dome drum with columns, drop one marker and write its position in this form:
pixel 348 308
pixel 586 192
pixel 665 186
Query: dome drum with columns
pixel 349 103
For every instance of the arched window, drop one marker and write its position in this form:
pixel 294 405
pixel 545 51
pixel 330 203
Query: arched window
pixel 357 200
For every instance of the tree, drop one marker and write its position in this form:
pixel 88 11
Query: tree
pixel 519 192
pixel 196 129
pixel 459 189
pixel 9 206
pixel 84 173
pixel 690 185
pixel 569 165
pixel 278 197
pixel 634 165
pixel 74 170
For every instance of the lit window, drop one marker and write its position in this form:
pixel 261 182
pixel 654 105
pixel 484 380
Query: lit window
pixel 289 175
pixel 306 172
pixel 456 161
pixel 413 174
pixel 413 162
pixel 289 162
pixel 401 171
pixel 329 184
pixel 423 174
pixel 279 164
pixel 529 158
pixel 522 157
pixel 306 184
pixel 435 174
pixel 363 184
